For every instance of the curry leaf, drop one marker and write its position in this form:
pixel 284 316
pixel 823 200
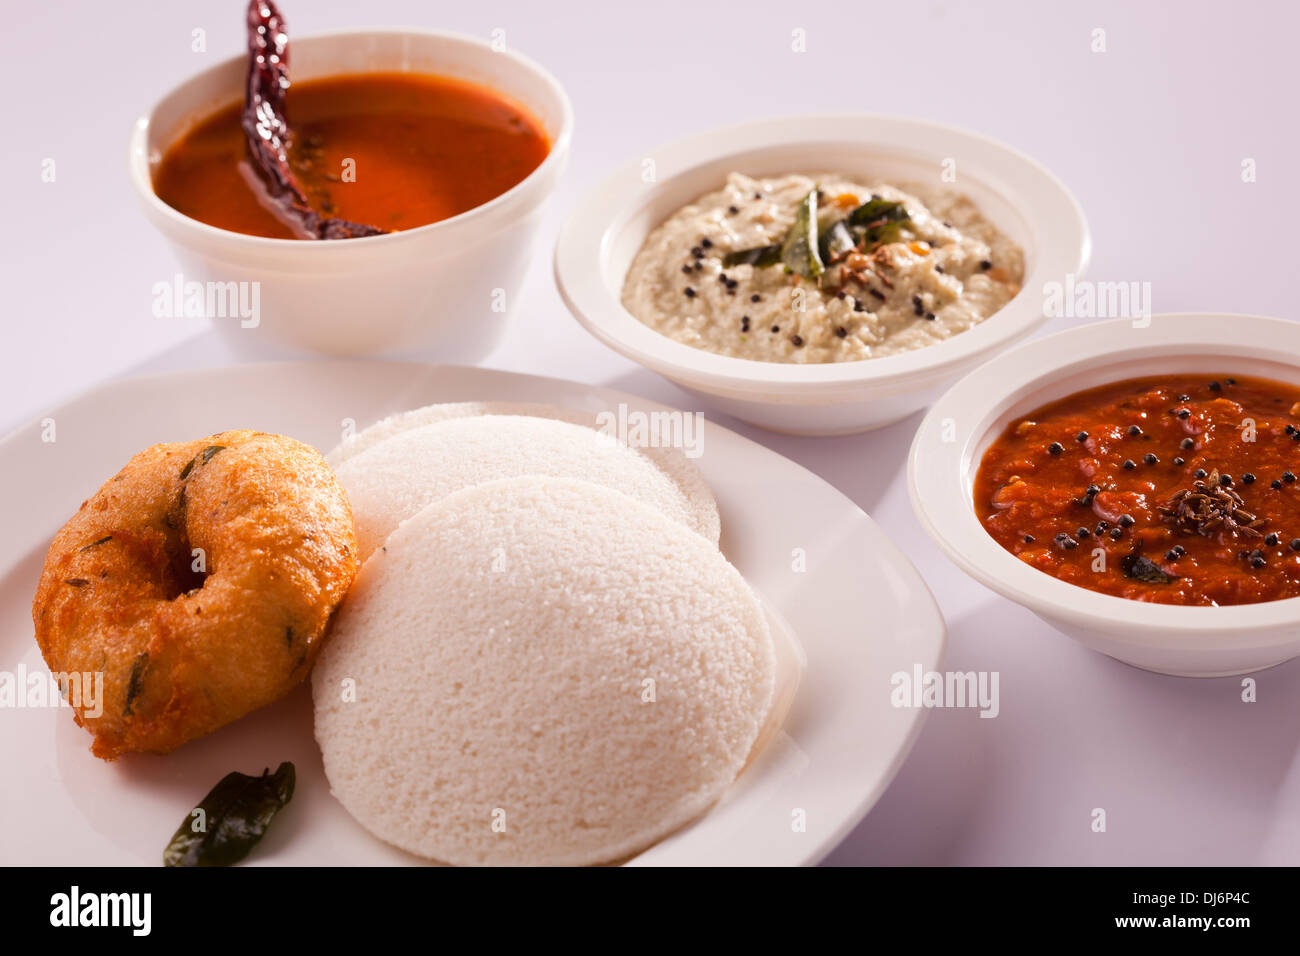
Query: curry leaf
pixel 134 682
pixel 837 242
pixel 878 221
pixel 799 250
pixel 874 209
pixel 881 232
pixel 759 256
pixel 231 819
pixel 1144 569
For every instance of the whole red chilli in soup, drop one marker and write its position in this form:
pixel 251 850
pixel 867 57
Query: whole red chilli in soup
pixel 394 150
pixel 1175 489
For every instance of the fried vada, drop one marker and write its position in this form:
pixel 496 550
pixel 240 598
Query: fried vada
pixel 200 581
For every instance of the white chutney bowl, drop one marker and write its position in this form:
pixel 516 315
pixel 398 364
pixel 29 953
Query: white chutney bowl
pixel 1022 199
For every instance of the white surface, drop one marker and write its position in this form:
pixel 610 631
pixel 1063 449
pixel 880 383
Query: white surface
pixel 966 420
pixel 858 611
pixel 1150 136
pixel 1024 201
pixel 440 285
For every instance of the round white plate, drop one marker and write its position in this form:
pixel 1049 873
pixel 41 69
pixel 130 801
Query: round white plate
pixel 859 609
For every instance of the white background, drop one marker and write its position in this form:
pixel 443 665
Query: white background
pixel 1150 135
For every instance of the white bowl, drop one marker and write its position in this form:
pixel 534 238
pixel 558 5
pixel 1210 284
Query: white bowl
pixel 440 286
pixel 602 235
pixel 952 440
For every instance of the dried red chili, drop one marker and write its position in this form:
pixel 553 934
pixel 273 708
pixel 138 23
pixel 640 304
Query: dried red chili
pixel 266 126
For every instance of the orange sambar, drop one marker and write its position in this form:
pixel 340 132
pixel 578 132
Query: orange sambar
pixel 392 150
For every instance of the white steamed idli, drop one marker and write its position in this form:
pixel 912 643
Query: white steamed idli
pixel 546 672
pixel 673 461
pixel 394 479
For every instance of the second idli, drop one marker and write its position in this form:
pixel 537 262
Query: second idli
pixel 392 480
pixel 670 452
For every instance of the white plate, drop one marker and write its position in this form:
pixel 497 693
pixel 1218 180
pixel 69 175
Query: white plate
pixel 860 611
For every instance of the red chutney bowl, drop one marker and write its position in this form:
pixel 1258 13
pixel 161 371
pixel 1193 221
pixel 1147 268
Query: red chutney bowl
pixel 1148 628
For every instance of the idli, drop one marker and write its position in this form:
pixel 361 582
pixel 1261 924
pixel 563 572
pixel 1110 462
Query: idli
pixel 540 671
pixel 394 479
pixel 671 459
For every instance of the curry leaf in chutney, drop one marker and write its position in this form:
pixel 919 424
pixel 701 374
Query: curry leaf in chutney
pixel 837 242
pixel 874 209
pixel 799 250
pixel 759 257
pixel 1144 569
pixel 878 221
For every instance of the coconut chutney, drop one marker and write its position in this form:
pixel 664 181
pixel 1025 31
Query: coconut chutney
pixel 813 268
